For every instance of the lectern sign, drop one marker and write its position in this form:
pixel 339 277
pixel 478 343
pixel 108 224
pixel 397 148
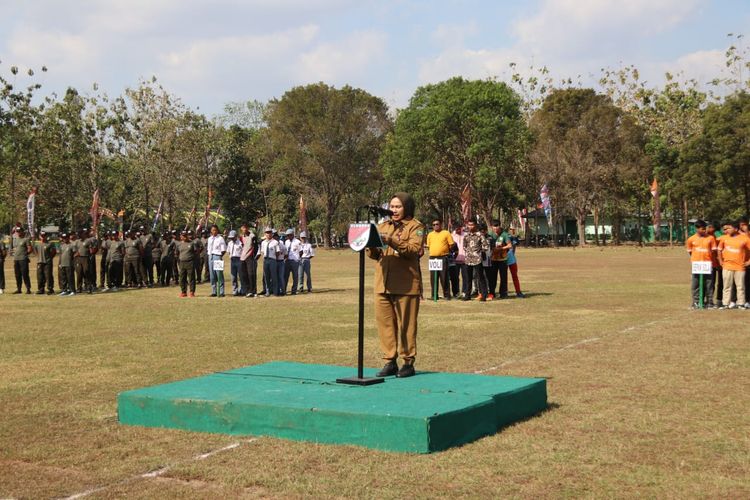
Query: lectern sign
pixel 364 235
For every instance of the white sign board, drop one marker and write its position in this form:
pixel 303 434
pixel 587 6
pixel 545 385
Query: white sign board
pixel 702 267
pixel 218 265
pixel 435 264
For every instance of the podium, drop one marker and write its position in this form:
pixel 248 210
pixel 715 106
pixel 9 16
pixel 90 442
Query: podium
pixel 362 235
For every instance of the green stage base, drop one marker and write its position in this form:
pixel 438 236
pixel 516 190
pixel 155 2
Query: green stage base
pixel 428 412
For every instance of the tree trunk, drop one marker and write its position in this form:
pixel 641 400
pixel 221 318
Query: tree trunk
pixel 685 219
pixel 327 230
pixel 596 226
pixel 581 224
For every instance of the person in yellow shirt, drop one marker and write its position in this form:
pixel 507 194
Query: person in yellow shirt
pixel 734 257
pixel 439 244
pixel 701 246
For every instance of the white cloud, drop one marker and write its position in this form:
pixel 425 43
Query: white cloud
pixel 349 58
pixel 459 61
pixel 597 26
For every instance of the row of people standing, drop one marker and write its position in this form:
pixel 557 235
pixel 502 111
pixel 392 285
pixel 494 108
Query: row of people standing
pixel 473 258
pixel 138 259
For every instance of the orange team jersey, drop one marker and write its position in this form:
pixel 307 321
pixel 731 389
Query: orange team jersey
pixel 701 248
pixel 735 251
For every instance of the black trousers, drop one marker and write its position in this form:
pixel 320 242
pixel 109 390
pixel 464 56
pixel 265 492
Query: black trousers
pixel 21 268
pixel 67 279
pixel 156 262
pixel 454 273
pixel 44 277
pixel 114 274
pixel 187 275
pixel 92 271
pixel 249 275
pixel 477 271
pixel 498 267
pixel 2 274
pixel 442 277
pixel 103 272
pixel 718 283
pixel 165 270
pixel 147 269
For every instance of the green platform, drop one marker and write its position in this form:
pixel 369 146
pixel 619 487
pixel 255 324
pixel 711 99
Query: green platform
pixel 429 412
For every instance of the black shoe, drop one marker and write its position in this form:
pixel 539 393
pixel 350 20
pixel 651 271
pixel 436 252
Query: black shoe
pixel 465 298
pixel 17 292
pixel 28 291
pixel 406 371
pixel 390 368
pixel 212 295
pixel 40 292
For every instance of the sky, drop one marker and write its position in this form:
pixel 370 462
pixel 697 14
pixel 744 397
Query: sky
pixel 209 53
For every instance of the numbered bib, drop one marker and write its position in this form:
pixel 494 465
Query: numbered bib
pixel 218 265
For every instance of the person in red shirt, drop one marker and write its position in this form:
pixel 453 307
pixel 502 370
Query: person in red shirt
pixel 701 247
pixel 734 257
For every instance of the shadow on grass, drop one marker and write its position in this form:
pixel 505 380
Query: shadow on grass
pixel 551 406
pixel 537 294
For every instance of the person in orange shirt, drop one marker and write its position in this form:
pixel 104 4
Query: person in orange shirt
pixel 745 229
pixel 734 256
pixel 701 247
pixel 718 282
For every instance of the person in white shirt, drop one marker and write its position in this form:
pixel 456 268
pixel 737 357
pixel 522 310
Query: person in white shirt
pixel 293 249
pixel 234 249
pixel 270 250
pixel 248 262
pixel 216 247
pixel 307 252
pixel 280 265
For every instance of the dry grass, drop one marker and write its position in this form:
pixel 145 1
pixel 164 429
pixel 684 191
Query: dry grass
pixel 647 397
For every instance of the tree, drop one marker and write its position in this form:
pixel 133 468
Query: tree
pixel 328 141
pixel 584 144
pixel 718 160
pixel 455 133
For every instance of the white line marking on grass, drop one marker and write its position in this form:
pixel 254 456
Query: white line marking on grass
pixel 573 345
pixel 160 472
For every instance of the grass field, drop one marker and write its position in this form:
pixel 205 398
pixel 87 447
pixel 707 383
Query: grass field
pixel 647 397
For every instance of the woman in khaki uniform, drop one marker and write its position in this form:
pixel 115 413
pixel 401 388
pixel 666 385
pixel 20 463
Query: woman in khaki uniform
pixel 397 286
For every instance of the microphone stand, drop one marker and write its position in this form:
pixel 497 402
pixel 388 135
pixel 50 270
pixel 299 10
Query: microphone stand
pixel 373 241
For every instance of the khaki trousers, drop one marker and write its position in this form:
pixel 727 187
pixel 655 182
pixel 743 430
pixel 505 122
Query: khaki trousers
pixel 396 318
pixel 738 278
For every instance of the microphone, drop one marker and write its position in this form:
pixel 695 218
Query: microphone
pixel 383 212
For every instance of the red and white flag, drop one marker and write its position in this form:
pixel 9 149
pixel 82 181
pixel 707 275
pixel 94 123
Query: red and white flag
pixel 657 209
pixel 30 209
pixel 302 215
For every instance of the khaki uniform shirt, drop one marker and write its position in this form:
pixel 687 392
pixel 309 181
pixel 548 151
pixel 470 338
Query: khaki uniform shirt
pixel 397 270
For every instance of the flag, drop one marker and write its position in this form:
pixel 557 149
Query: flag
pixel 189 218
pixel 157 216
pixel 546 203
pixel 466 203
pixel 657 210
pixel 204 220
pixel 302 215
pixel 521 213
pixel 30 208
pixel 121 220
pixel 94 212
